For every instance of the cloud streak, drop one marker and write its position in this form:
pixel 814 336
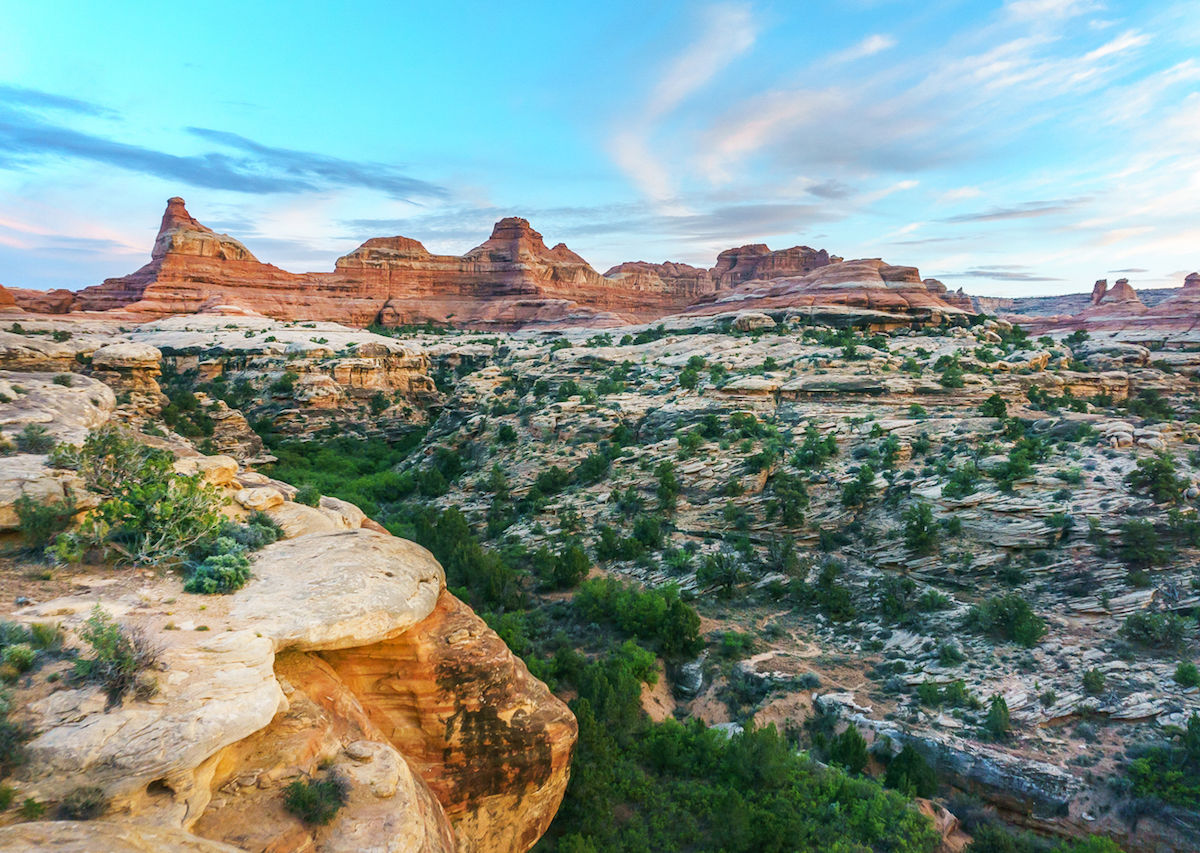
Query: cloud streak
pixel 255 168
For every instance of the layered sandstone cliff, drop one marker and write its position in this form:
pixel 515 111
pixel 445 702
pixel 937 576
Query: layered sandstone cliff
pixel 512 280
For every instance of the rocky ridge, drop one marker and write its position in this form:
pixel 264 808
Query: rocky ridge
pixel 512 280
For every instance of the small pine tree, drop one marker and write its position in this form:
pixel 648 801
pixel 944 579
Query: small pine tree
pixel 998 723
pixel 849 750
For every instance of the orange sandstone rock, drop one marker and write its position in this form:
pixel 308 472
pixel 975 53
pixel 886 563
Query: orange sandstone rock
pixel 488 738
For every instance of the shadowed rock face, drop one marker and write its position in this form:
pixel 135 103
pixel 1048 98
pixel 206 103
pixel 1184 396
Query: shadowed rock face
pixel 489 739
pixel 511 280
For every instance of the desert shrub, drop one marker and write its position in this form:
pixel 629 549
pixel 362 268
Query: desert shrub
pixel 35 438
pixel 149 514
pixel 308 494
pixel 816 449
pixel 592 469
pixel 1008 617
pixel 567 568
pixel 668 485
pixel 506 434
pixel 827 593
pixel 789 497
pixel 39 523
pixel 1170 771
pixel 962 481
pixel 920 530
pixel 1093 682
pixel 219 573
pixel 994 407
pixel 1155 476
pixel 689 378
pixel 285 384
pixel 19 657
pixel 1187 675
pixel 84 803
pixel 315 801
pixel 723 570
pixel 1157 630
pixel 910 774
pixel 118 656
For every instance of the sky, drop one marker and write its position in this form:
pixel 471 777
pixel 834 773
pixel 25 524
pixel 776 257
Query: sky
pixel 1016 148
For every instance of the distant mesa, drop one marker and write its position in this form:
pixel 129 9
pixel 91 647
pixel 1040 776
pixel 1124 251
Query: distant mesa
pixel 511 280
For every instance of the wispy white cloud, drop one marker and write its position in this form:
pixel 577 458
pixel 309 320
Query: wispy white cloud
pixel 727 32
pixel 869 46
pixel 1043 9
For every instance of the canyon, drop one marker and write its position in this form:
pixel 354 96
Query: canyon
pixel 838 468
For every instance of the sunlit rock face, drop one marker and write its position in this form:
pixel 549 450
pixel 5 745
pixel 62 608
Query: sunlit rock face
pixel 512 280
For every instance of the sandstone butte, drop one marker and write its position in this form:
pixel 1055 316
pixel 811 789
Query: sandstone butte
pixel 1120 308
pixel 511 280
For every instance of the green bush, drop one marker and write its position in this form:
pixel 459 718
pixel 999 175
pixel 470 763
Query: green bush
pixel 308 494
pixel 1140 546
pixel 84 803
pixel 910 774
pixel 19 656
pixel 1170 772
pixel 150 514
pixel 858 491
pixel 118 656
pixel 1093 682
pixel 1156 477
pixel 920 530
pixel 315 801
pixel 219 573
pixel 994 407
pixel 39 523
pixel 1187 675
pixel 35 438
pixel 657 615
pixel 1008 617
pixel 1157 630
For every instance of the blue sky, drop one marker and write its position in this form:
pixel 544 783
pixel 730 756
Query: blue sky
pixel 1013 148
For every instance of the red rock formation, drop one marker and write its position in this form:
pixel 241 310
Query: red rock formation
pixel 58 301
pixel 756 261
pixel 489 739
pixel 7 302
pixel 511 280
pixel 1099 289
pixel 864 285
pixel 665 277
pixel 1121 294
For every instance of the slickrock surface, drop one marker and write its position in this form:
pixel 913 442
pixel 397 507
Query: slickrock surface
pixel 101 835
pixel 242 704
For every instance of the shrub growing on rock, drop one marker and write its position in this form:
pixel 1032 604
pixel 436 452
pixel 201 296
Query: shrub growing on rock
pixel 35 438
pixel 149 514
pixel 1157 630
pixel 1009 617
pixel 119 656
pixel 1155 476
pixel 998 723
pixel 84 803
pixel 315 801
